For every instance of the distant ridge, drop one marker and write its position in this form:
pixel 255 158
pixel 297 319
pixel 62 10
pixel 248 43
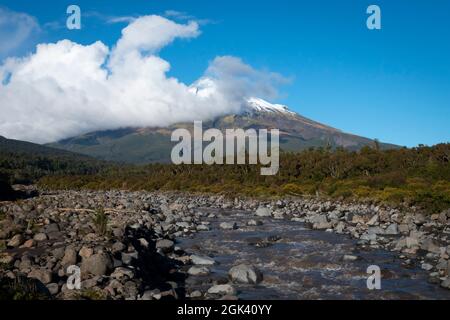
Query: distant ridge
pixel 150 144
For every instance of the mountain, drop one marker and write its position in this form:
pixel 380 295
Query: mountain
pixel 149 145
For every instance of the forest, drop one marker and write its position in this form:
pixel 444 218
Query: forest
pixel 401 177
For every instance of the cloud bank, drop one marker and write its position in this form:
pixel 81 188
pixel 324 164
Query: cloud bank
pixel 65 89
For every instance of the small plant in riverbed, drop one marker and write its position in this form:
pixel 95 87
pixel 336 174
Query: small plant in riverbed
pixel 100 220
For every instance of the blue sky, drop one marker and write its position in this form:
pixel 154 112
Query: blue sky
pixel 392 84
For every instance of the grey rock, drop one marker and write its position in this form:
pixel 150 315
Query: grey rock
pixel 70 257
pixel 165 245
pixel 222 289
pixel 127 258
pixel 263 212
pixel 392 229
pixel 199 260
pixel 16 241
pixel 40 236
pixel 117 247
pixel 121 272
pixel 53 288
pixel 42 275
pixel 198 271
pixel 254 222
pixel 426 266
pixel 320 222
pixel 446 283
pixel 228 226
pixel 98 265
pixel 196 294
pixel 349 257
pixel 245 274
pixel 203 227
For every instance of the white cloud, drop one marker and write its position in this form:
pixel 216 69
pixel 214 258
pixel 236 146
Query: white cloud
pixel 65 89
pixel 178 15
pixel 15 29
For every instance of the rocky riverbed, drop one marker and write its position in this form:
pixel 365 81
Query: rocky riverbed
pixel 152 246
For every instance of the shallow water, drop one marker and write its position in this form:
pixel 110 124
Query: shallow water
pixel 303 264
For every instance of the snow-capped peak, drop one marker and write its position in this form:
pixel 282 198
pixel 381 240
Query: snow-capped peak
pixel 261 105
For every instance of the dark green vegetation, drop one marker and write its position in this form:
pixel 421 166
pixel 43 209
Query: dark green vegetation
pixel 23 288
pixel 418 176
pixel 151 145
pixel 100 220
pixel 23 162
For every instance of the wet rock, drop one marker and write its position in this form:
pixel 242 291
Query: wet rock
pixel 446 283
pixel 349 257
pixel 203 227
pixel 222 289
pixel 195 294
pixel 254 222
pixel 228 226
pixel 263 212
pixel 53 288
pixel 426 266
pixel 320 222
pixel 245 274
pixel 392 229
pixel 198 271
pixel 165 245
pixel 199 260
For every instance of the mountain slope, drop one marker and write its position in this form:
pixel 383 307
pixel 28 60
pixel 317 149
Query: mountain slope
pixel 147 145
pixel 24 162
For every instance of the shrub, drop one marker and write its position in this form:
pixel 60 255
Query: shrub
pixel 100 221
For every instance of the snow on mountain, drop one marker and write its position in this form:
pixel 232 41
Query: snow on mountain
pixel 261 105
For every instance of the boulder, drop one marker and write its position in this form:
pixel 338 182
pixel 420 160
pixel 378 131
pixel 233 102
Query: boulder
pixel 263 212
pixel 245 274
pixel 392 229
pixel 198 271
pixel 320 222
pixel 165 245
pixel 222 289
pixel 16 241
pixel 228 226
pixel 199 260
pixel 42 275
pixel 98 265
pixel 70 257
pixel 40 236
